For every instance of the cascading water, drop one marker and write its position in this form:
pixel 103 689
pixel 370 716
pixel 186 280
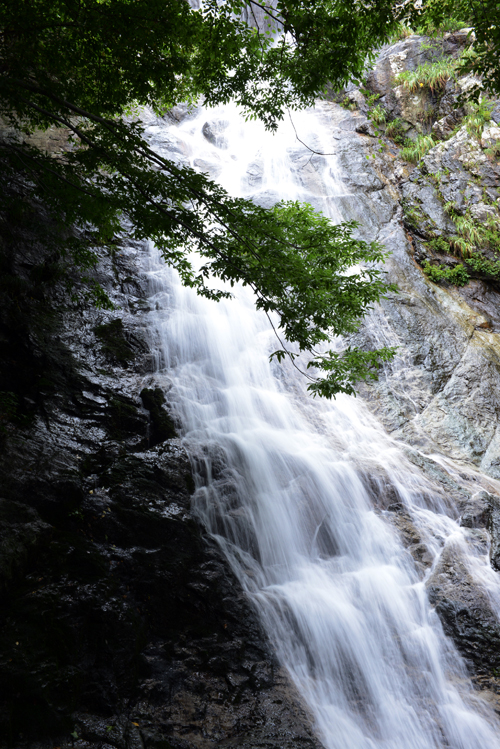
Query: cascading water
pixel 287 484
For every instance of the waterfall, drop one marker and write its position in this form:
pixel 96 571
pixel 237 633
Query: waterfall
pixel 296 490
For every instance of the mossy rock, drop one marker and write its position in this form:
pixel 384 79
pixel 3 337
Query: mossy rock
pixel 124 419
pixel 113 341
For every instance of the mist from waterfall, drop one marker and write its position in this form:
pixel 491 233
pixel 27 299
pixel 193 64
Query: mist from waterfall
pixel 290 486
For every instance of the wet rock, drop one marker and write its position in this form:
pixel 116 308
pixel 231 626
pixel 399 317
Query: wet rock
pixel 121 624
pixel 465 610
pixel 182 112
pixel 209 167
pixel 477 512
pixel 494 529
pixel 213 132
pixel 416 108
pixel 255 173
pixel 161 425
pixel 21 532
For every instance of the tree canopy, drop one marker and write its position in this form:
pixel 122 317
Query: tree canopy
pixel 83 65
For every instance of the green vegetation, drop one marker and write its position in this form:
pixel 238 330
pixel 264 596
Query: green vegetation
pixel 460 274
pixel 456 275
pixel 378 115
pixel 415 150
pixel 123 419
pixel 161 425
pixel 401 32
pixel 396 130
pixel 478 116
pixel 484 266
pixel 86 68
pixel 472 233
pixel 432 75
pixel 446 25
pixel 439 244
pixel 483 16
pixel 413 217
pixel 493 151
pixel 473 238
pixel 348 104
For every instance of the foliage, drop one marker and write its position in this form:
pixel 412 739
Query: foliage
pixel 456 275
pixel 396 130
pixel 439 244
pixel 493 151
pixel 378 114
pixel 471 233
pixel 85 67
pixel 114 343
pixel 445 25
pixel 484 266
pixel 478 116
pixel 460 275
pixel 416 150
pixel 483 16
pixel 349 104
pixel 401 32
pixel 413 217
pixel 432 75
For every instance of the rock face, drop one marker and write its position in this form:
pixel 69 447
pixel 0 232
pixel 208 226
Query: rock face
pixel 121 623
pixel 441 394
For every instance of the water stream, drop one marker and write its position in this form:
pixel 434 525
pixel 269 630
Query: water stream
pixel 290 486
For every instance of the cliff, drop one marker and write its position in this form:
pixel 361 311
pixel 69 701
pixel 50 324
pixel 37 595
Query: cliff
pixel 122 623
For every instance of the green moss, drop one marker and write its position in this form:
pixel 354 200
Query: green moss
pixel 113 341
pixel 412 216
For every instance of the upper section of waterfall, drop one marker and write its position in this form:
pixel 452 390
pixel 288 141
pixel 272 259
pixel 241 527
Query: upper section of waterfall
pixel 334 528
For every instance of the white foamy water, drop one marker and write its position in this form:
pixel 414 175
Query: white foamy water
pixel 287 486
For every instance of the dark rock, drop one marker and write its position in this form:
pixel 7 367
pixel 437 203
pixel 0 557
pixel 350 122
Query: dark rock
pixel 113 341
pixel 121 624
pixel 161 425
pixel 465 610
pixel 477 512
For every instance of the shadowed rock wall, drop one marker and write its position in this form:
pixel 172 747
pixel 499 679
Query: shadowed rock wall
pixel 121 625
